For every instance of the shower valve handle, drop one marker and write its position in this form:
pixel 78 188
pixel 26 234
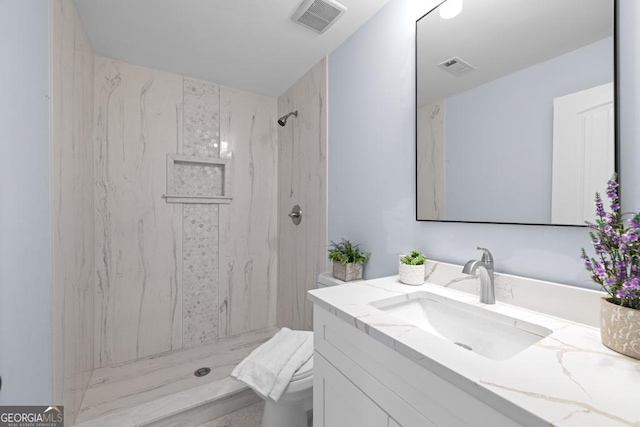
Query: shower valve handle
pixel 296 215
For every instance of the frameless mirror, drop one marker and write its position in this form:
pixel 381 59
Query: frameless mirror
pixel 515 111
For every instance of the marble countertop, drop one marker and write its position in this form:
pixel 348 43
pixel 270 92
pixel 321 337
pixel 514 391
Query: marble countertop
pixel 567 379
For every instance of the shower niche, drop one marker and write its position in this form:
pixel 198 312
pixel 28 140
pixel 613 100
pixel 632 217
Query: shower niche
pixel 198 180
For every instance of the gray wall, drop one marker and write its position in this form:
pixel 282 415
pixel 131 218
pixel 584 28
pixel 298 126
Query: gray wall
pixel 372 163
pixel 371 138
pixel 25 257
pixel 510 118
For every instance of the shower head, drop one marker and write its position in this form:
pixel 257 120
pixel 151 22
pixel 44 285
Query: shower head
pixel 283 120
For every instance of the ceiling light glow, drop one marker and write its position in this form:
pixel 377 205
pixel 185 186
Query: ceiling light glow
pixel 450 9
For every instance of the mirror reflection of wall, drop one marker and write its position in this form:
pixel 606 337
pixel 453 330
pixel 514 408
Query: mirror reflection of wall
pixel 515 114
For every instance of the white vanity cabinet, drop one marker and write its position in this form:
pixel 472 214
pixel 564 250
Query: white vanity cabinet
pixel 343 403
pixel 359 381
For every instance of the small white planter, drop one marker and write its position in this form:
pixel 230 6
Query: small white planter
pixel 411 274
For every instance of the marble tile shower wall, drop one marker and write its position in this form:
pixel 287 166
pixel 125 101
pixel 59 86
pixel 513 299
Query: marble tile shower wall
pixel 180 275
pixel 249 225
pixel 71 206
pixel 302 181
pixel 138 120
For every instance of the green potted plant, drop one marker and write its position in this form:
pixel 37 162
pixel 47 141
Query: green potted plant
pixel 411 268
pixel 616 267
pixel 348 260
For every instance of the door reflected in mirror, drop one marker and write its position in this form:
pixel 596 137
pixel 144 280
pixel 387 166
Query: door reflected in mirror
pixel 515 111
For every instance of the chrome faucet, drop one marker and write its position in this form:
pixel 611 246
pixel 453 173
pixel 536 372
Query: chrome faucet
pixel 487 290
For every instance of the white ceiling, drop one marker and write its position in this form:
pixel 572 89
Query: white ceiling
pixel 247 44
pixel 500 37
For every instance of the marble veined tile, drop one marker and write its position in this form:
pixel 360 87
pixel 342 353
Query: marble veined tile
pixel 200 274
pixel 201 119
pixel 564 379
pixel 187 408
pixel 431 161
pixel 250 416
pixel 248 225
pixel 532 294
pixel 302 180
pixel 162 385
pixel 138 239
pixel 72 221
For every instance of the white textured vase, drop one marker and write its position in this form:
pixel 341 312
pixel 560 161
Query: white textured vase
pixel 411 274
pixel 620 328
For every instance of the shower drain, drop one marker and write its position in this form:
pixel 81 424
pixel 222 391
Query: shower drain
pixel 202 372
pixel 468 347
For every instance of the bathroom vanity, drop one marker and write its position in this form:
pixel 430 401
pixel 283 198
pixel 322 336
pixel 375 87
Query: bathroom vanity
pixel 388 354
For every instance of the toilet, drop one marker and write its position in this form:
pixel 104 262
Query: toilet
pixel 297 400
pixel 292 407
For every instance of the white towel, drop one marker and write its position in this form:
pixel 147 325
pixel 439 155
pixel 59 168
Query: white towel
pixel 270 367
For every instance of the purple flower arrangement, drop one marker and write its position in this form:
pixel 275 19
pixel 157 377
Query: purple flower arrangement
pixel 616 265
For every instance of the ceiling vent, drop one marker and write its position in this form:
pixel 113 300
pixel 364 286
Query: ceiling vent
pixel 318 15
pixel 456 66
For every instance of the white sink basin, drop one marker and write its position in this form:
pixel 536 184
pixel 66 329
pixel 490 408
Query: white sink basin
pixel 492 335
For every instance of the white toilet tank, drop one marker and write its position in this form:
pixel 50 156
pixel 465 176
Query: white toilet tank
pixel 326 279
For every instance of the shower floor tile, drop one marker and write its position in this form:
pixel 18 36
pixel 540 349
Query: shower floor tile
pixel 250 416
pixel 116 388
